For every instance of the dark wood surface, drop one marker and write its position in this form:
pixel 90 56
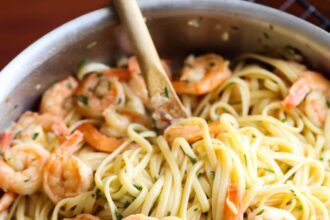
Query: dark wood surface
pixel 23 22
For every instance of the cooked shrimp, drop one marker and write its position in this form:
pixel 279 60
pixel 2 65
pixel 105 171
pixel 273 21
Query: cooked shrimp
pixel 202 74
pixel 28 125
pixel 98 140
pixel 66 175
pixel 6 200
pixel 315 107
pixel 86 217
pixel 233 204
pixel 56 100
pixel 97 92
pixel 21 168
pixel 137 83
pixel 191 133
pixel 308 81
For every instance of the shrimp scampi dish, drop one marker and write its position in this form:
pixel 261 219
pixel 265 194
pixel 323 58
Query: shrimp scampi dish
pixel 255 145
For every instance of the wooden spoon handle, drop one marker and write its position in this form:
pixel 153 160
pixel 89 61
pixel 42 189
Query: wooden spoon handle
pixel 152 69
pixel 138 33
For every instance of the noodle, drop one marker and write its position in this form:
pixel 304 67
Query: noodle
pixel 262 161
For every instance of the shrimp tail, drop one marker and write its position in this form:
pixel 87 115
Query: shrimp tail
pixel 6 139
pixel 97 140
pixel 233 199
pixel 71 144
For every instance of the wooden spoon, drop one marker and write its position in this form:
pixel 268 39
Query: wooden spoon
pixel 164 100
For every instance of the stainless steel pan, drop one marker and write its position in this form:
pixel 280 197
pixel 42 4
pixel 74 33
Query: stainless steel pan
pixel 178 27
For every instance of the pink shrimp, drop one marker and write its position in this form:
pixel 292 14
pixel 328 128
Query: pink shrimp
pixel 202 74
pixel 21 167
pixel 306 83
pixel 98 91
pixel 56 100
pixel 66 175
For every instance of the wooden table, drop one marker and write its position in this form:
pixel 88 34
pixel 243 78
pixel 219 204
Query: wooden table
pixel 23 22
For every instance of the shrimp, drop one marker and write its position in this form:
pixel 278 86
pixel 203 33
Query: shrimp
pixel 6 200
pixel 66 175
pixel 86 217
pixel 21 168
pixel 8 197
pixel 308 81
pixel 31 124
pixel 202 74
pixel 98 140
pixel 137 83
pixel 191 133
pixel 315 107
pixel 56 100
pixel 233 204
pixel 98 91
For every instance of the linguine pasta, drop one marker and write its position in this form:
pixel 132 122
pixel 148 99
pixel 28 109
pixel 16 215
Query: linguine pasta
pixel 244 152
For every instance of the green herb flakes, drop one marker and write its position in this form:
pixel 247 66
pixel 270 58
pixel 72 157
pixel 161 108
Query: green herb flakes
pixel 82 63
pixel 299 208
pixel 192 159
pixel 138 187
pixel 260 212
pixel 100 75
pixel 126 204
pixel 269 170
pixel 166 92
pixel 118 215
pixel 82 99
pixel 34 136
pixel 98 194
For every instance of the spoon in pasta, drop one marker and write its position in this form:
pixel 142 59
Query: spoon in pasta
pixel 164 101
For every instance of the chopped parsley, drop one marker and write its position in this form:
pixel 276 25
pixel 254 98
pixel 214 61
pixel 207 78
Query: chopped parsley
pixel 27 180
pixel 300 207
pixel 166 92
pixel 83 99
pixel 100 75
pixel 118 215
pixel 328 103
pixel 82 63
pixel 98 194
pixel 156 178
pixel 245 159
pixel 192 159
pixel 69 85
pixel 126 204
pixel 34 136
pixel 185 81
pixel 284 120
pixel 260 212
pixel 321 158
pixel 138 187
pixel 195 209
pixel 169 213
pixel 188 65
pixel 269 170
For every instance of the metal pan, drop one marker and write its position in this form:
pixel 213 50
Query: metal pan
pixel 178 27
